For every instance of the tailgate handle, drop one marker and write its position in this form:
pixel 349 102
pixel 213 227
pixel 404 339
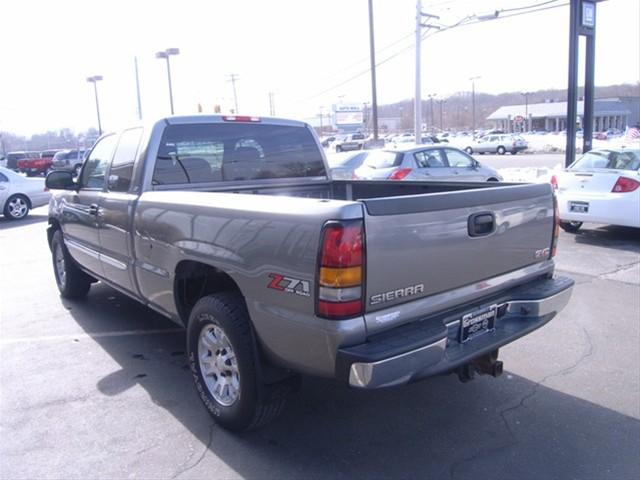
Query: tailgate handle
pixel 481 224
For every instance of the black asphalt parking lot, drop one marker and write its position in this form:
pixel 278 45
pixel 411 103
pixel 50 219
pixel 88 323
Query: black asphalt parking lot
pixel 101 389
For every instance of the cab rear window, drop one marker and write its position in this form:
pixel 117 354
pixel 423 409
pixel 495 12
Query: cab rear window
pixel 235 152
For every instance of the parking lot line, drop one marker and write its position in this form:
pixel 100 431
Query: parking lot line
pixel 71 336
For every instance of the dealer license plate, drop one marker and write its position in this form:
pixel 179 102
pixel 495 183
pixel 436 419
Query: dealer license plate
pixel 476 323
pixel 579 207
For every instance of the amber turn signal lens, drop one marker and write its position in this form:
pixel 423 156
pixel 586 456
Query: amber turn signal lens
pixel 340 277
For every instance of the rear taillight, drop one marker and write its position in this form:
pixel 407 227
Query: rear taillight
pixel 554 182
pixel 340 270
pixel 624 185
pixel 400 174
pixel 556 226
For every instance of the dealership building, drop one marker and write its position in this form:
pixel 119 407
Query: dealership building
pixel 551 116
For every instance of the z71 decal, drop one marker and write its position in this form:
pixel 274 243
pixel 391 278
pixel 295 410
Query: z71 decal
pixel 289 285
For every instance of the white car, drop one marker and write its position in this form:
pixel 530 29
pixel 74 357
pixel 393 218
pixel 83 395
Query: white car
pixel 603 186
pixel 18 194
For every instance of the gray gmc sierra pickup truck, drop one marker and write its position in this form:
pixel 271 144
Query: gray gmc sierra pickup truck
pixel 231 227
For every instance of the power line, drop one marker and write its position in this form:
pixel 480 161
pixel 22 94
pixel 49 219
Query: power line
pixel 459 23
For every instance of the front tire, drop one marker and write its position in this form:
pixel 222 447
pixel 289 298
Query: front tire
pixel 72 282
pixel 16 208
pixel 571 227
pixel 225 364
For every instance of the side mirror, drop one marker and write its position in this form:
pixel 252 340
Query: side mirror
pixel 60 180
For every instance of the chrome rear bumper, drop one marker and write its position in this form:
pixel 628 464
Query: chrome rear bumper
pixel 433 345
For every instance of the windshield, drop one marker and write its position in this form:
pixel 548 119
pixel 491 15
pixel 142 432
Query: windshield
pixel 608 159
pixel 383 159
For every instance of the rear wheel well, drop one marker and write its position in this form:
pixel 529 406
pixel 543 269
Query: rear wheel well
pixel 194 280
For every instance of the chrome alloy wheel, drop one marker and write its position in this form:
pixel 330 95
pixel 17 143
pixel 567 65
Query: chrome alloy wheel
pixel 61 271
pixel 218 365
pixel 18 207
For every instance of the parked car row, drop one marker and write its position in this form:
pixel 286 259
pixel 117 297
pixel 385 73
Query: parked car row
pixel 40 163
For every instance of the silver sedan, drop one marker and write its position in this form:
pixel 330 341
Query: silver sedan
pixel 425 162
pixel 18 194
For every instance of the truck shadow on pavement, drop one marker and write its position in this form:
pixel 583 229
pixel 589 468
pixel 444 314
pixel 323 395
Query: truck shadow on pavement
pixel 508 427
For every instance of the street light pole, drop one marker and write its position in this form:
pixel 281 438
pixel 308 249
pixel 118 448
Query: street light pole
pixel 473 105
pixel 374 94
pixel 166 54
pixel 526 109
pixel 417 109
pixel 95 79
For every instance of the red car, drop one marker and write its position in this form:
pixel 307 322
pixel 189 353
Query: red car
pixel 37 165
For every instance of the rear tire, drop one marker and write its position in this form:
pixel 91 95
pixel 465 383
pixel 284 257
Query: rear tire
pixel 72 282
pixel 514 152
pixel 338 149
pixel 225 365
pixel 501 150
pixel 469 150
pixel 571 227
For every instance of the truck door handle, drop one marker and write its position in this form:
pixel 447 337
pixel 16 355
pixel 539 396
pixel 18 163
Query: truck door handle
pixel 93 209
pixel 480 224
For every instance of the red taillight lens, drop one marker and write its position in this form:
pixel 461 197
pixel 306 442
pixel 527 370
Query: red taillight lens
pixel 625 185
pixel 340 270
pixel 339 310
pixel 400 174
pixel 556 227
pixel 342 244
pixel 554 182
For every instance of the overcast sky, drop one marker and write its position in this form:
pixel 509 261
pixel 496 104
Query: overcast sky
pixel 299 49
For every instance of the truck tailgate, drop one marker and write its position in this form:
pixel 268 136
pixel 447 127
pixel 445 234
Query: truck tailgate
pixel 420 245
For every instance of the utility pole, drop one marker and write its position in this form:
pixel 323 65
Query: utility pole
pixel 233 78
pixel 441 115
pixel 272 106
pixel 135 63
pixel 374 94
pixel 473 105
pixel 417 124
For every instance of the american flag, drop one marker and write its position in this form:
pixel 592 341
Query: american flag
pixel 632 134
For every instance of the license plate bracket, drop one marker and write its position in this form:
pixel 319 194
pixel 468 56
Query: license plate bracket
pixel 579 207
pixel 477 323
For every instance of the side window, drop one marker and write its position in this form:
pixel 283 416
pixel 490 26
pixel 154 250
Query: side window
pixel 430 159
pixel 96 164
pixel 458 159
pixel 3 178
pixel 121 169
